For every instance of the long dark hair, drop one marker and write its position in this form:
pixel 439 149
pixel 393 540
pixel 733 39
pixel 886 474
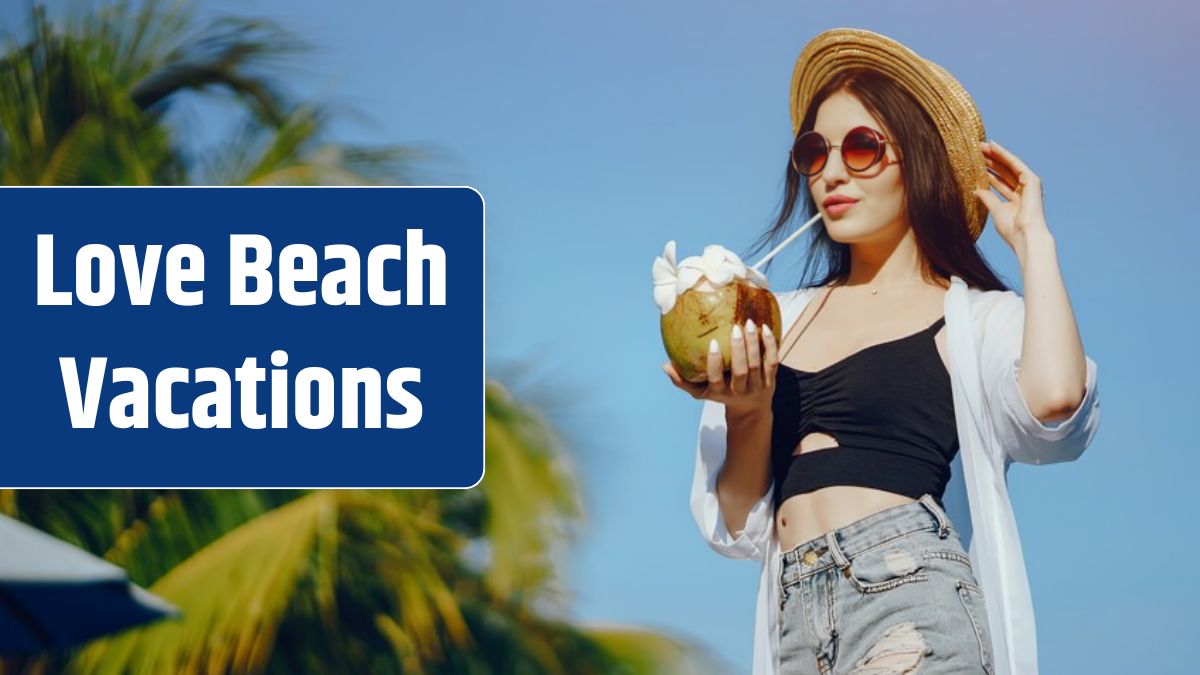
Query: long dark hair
pixel 937 216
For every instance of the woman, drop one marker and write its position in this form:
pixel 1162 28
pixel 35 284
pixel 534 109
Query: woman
pixel 862 456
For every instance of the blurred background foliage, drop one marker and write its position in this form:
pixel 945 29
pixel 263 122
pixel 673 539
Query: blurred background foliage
pixel 278 581
pixel 85 100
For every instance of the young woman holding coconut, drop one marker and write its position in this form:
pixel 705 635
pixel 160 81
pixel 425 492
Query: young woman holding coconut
pixel 861 457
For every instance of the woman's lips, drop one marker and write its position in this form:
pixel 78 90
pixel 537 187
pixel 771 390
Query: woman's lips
pixel 839 208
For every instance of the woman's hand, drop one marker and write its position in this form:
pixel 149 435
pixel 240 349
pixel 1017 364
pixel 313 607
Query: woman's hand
pixel 1024 211
pixel 751 382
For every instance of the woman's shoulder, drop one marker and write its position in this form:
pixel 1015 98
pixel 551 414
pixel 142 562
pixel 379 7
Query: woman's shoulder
pixel 983 302
pixel 998 316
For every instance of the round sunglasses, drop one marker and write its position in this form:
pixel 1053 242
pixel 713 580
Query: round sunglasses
pixel 861 149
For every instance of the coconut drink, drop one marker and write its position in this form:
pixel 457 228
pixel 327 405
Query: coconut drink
pixel 702 298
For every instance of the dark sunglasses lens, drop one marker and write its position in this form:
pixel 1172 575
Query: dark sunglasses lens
pixel 861 149
pixel 809 153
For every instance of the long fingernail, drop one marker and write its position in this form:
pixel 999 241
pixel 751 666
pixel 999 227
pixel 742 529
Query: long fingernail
pixel 713 347
pixel 737 332
pixel 767 331
pixel 750 327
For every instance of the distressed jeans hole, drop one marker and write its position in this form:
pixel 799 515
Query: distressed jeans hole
pixel 900 651
pixel 900 562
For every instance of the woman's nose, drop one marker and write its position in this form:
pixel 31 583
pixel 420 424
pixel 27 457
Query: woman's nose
pixel 834 170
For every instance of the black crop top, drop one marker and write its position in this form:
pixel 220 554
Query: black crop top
pixel 890 408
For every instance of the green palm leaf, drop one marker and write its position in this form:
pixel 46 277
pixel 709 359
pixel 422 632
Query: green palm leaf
pixel 86 104
pixel 530 494
pixel 232 594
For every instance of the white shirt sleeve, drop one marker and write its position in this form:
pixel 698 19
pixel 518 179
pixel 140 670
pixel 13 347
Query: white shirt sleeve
pixel 752 541
pixel 1024 437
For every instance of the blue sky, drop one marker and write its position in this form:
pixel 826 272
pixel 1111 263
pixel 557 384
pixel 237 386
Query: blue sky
pixel 597 131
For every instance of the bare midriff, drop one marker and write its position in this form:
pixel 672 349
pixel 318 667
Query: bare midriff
pixel 812 514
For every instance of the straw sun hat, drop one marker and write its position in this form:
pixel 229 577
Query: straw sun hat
pixel 943 98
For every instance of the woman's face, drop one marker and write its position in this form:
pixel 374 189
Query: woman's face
pixel 880 212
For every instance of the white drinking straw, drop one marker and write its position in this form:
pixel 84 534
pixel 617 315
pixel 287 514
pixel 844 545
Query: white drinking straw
pixel 787 241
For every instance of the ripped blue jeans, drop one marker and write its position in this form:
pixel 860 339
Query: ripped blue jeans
pixel 893 592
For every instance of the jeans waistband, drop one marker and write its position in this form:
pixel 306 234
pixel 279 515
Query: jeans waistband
pixel 846 542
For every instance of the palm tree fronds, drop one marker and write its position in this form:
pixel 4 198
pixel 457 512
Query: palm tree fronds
pixel 255 567
pixel 531 496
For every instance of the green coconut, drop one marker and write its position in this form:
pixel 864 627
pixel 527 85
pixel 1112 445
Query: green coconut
pixel 702 313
